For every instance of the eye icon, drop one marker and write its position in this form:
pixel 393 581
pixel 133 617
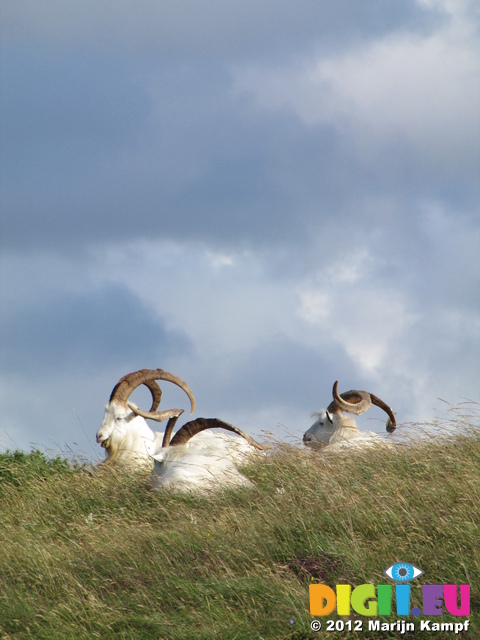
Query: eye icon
pixel 403 572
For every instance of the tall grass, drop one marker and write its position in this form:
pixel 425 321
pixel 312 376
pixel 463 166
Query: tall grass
pixel 100 555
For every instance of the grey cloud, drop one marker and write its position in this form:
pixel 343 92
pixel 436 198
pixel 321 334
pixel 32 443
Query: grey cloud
pixel 219 172
pixel 161 175
pixel 240 28
pixel 100 330
pixel 97 149
pixel 67 121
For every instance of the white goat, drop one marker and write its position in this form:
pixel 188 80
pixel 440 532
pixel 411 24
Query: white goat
pixel 195 458
pixel 334 431
pixel 209 461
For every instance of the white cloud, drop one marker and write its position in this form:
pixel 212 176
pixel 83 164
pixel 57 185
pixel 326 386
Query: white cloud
pixel 219 260
pixel 314 306
pixel 236 310
pixel 222 301
pixel 367 324
pixel 420 90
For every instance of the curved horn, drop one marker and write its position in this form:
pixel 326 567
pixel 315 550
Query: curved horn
pixel 159 416
pixel 156 393
pixel 356 402
pixel 126 385
pixel 391 422
pixel 167 436
pixel 193 427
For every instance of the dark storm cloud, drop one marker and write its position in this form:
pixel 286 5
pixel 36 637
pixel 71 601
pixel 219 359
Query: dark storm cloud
pixel 67 121
pixel 97 330
pixel 98 156
pixel 88 159
pixel 98 147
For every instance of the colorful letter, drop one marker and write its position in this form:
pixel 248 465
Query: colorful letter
pixel 360 596
pixel 343 599
pixel 322 599
pixel 402 594
pixel 384 595
pixel 432 594
pixel 450 597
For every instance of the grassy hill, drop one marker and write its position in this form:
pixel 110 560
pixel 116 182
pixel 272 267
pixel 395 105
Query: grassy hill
pixel 102 556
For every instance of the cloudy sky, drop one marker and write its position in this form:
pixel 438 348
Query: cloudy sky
pixel 261 197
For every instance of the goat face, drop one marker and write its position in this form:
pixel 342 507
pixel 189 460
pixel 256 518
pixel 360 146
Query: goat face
pixel 321 430
pixel 120 425
pixel 331 421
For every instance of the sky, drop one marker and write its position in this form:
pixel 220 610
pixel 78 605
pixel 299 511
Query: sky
pixel 261 198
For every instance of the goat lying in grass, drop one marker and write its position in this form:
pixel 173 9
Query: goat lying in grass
pixel 195 458
pixel 334 431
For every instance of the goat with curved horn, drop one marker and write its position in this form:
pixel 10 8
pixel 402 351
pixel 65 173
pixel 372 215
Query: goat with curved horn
pixel 332 430
pixel 124 434
pixel 198 457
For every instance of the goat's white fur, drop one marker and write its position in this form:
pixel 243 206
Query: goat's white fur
pixel 335 431
pixel 206 461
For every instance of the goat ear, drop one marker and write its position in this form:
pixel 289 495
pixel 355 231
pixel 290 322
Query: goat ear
pixel 329 416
